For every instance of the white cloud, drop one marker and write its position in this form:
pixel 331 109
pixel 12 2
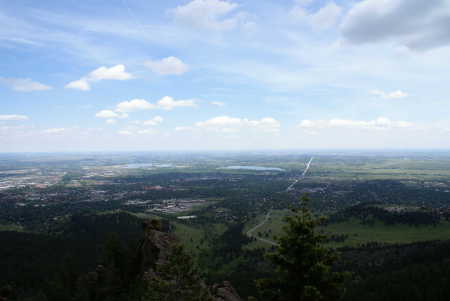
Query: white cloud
pixel 220 121
pixel 154 121
pixel 110 114
pixel 326 17
pixel 81 84
pixel 54 131
pixel 103 73
pixel 151 122
pixel 113 73
pixel 166 103
pixel 207 14
pixel 111 121
pixel 24 84
pixel 232 124
pixel 167 66
pixel 134 105
pixel 377 124
pixel 217 103
pixel 390 95
pixel 13 117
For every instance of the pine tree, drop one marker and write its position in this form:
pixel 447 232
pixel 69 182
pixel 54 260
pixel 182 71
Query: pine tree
pixel 176 280
pixel 303 264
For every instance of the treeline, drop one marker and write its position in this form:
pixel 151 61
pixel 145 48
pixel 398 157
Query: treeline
pixel 227 258
pixel 337 195
pixel 368 214
pixel 31 262
pixel 418 271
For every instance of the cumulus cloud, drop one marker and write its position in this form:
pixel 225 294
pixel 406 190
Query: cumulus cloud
pixel 24 84
pixel 417 24
pixel 110 114
pixel 81 84
pixel 134 105
pixel 166 103
pixel 167 66
pixel 154 121
pixel 326 17
pixel 103 73
pixel 208 14
pixel 13 117
pixel 227 124
pixel 389 95
pixel 114 73
pixel 122 109
pixel 377 124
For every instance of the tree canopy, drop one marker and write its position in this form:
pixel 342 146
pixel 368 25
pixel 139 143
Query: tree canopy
pixel 303 264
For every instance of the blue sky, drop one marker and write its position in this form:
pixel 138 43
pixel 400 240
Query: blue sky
pixel 215 74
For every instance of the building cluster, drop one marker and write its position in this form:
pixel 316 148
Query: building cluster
pixel 28 177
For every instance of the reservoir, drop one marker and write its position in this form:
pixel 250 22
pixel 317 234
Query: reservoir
pixel 256 168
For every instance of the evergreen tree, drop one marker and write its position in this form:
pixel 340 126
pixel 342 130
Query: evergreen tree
pixel 176 280
pixel 303 263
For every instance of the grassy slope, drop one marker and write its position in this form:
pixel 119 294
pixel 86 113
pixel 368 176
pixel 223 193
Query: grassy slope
pixel 360 234
pixel 392 168
pixel 11 227
pixel 189 235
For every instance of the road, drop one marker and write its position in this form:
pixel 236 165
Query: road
pixel 302 176
pixel 250 232
pixel 267 241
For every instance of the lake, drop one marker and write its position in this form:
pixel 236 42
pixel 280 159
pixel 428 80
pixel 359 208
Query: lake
pixel 257 168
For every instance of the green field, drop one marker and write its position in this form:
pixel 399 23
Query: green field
pixel 11 227
pixel 378 169
pixel 273 227
pixel 190 235
pixel 358 233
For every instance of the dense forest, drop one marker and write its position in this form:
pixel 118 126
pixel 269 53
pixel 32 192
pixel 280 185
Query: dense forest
pixel 58 265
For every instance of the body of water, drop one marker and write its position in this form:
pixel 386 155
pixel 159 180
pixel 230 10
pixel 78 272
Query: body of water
pixel 257 168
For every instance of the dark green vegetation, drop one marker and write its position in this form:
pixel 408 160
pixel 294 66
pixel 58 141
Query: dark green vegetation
pixel 61 211
pixel 28 258
pixel 303 264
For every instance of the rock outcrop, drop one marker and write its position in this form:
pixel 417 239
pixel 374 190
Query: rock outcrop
pixel 158 270
pixel 224 292
pixel 159 251
pixel 156 246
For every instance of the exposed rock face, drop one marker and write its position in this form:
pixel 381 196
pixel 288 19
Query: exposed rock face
pixel 156 253
pixel 224 292
pixel 156 245
pixel 161 270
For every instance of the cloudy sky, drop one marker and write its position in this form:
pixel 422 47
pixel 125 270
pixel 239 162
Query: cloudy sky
pixel 224 74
